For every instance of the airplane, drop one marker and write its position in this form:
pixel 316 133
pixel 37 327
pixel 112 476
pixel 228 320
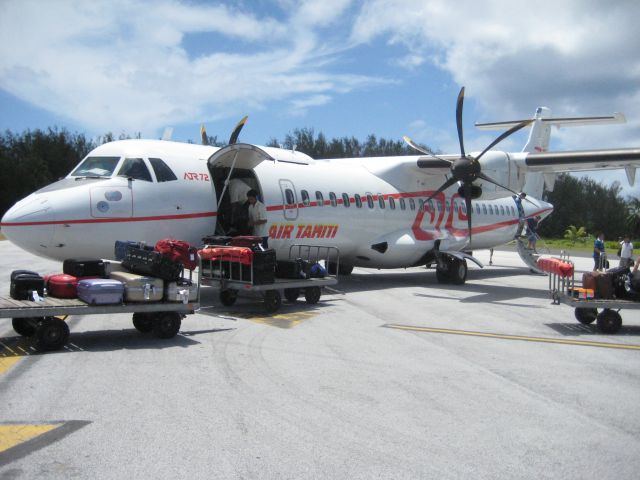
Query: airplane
pixel 380 212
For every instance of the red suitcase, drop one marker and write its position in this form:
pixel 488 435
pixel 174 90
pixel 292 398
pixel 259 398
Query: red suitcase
pixel 62 286
pixel 179 251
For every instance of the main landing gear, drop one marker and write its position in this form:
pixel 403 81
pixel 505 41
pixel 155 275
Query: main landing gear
pixel 450 269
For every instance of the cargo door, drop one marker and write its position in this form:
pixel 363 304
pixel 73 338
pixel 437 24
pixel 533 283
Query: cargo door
pixel 289 200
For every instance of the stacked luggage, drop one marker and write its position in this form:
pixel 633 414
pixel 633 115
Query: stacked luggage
pixel 614 283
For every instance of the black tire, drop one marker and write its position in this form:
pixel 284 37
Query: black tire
pixel 609 321
pixel 458 271
pixel 586 315
pixel 228 297
pixel 342 269
pixel 143 322
pixel 272 301
pixel 51 334
pixel 167 324
pixel 291 294
pixel 312 295
pixel 25 326
pixel 442 276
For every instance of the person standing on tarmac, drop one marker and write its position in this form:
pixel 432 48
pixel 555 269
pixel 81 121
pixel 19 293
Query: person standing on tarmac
pixel 258 217
pixel 626 252
pixel 598 253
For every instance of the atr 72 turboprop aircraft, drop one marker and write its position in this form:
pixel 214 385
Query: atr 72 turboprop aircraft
pixel 383 212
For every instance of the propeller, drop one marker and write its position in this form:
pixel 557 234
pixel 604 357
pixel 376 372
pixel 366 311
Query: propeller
pixel 203 135
pixel 236 131
pixel 466 169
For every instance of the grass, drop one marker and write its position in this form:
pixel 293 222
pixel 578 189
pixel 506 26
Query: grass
pixel 2 237
pixel 611 246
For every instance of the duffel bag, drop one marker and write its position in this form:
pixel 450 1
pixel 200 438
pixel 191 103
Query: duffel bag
pixel 178 251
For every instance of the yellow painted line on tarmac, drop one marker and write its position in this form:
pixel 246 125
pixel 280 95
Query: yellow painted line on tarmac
pixel 282 320
pixel 7 362
pixel 15 434
pixel 449 331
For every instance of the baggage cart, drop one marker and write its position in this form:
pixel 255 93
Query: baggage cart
pixel 231 280
pixel 44 320
pixel 605 312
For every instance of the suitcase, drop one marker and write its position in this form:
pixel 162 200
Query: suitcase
pixel 216 240
pixel 264 266
pixel 24 285
pixel 120 248
pixel 62 286
pixel 151 264
pixel 295 269
pixel 100 291
pixel 110 267
pixel 183 290
pixel 15 273
pixel 139 288
pixel 252 242
pixel 601 283
pixel 84 267
pixel 179 251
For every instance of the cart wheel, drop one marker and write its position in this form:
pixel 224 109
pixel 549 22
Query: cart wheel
pixel 291 294
pixel 586 315
pixel 609 321
pixel 51 334
pixel 312 294
pixel 272 300
pixel 142 322
pixel 25 326
pixel 167 324
pixel 228 297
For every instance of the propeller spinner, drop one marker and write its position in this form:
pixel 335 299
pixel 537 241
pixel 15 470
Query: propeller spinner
pixel 466 169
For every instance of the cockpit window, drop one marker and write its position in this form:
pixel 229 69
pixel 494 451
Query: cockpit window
pixel 135 168
pixel 163 172
pixel 96 167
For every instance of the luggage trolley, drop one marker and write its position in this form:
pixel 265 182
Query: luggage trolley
pixel 564 289
pixel 45 320
pixel 235 275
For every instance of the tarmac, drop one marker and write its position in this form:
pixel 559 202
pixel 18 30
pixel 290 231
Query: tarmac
pixel 391 375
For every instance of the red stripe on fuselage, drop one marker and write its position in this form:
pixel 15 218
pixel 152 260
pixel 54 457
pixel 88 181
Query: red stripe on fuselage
pixel 185 216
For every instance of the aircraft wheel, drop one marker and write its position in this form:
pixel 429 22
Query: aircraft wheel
pixel 228 297
pixel 167 324
pixel 51 334
pixel 458 271
pixel 25 326
pixel 142 322
pixel 609 321
pixel 342 269
pixel 586 315
pixel 442 276
pixel 291 294
pixel 312 295
pixel 272 300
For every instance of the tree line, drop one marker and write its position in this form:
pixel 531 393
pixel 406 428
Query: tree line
pixel 33 159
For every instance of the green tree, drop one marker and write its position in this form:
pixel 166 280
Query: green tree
pixel 574 234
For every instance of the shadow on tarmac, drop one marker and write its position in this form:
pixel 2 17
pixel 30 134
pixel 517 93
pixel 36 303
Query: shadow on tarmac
pixel 573 329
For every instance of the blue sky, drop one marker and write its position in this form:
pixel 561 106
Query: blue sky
pixel 345 68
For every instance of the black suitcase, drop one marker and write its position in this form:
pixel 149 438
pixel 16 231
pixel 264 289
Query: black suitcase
pixel 152 264
pixel 249 241
pixel 24 284
pixel 618 277
pixel 15 273
pixel 216 240
pixel 295 269
pixel 120 248
pixel 264 266
pixel 84 267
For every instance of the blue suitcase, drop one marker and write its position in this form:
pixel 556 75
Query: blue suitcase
pixel 100 291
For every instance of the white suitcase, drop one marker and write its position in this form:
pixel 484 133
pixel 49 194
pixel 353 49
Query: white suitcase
pixel 183 290
pixel 138 288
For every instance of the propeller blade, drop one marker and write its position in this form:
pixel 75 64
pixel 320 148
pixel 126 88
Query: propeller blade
pixel 443 187
pixel 514 129
pixel 236 131
pixel 459 120
pixel 417 147
pixel 203 134
pixel 467 201
pixel 491 180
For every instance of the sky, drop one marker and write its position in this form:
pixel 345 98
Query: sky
pixel 341 67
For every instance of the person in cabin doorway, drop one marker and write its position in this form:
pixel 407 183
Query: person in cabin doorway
pixel 258 217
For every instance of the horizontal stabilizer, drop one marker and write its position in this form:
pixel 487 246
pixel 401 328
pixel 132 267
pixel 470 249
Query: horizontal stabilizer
pixel 582 160
pixel 559 122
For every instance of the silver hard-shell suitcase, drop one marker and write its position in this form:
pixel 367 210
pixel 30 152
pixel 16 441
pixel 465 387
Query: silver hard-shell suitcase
pixel 183 290
pixel 139 288
pixel 100 291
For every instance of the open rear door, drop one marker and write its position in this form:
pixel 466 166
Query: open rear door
pixel 238 155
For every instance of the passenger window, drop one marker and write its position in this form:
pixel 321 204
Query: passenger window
pixel 162 170
pixel 422 205
pixel 447 206
pixel 513 212
pixel 490 209
pixel 463 208
pixel 381 201
pixel 370 200
pixel 333 199
pixel 403 205
pixel 345 200
pixel 319 199
pixel 392 203
pixel 412 204
pixel 477 208
pixel 358 200
pixel 289 196
pixel 305 198
pixel 455 207
pixel 484 209
pixel 135 168
pixel 501 210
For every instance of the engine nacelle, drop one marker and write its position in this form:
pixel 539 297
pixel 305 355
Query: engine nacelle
pixel 476 191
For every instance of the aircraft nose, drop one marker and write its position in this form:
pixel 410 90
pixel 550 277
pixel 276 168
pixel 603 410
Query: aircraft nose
pixel 30 224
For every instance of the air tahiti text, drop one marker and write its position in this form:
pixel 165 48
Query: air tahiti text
pixel 287 230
